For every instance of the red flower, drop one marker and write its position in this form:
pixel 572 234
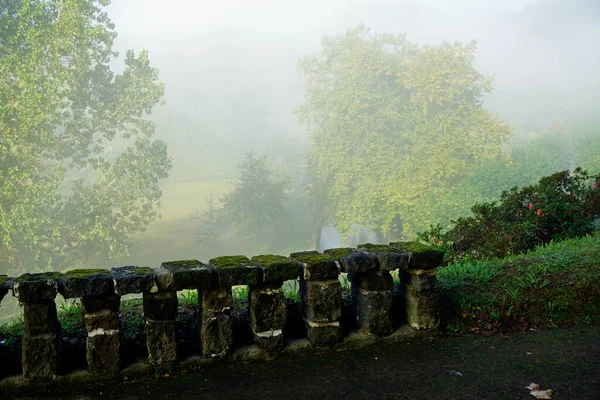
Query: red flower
pixel 596 185
pixel 530 206
pixel 571 194
pixel 539 211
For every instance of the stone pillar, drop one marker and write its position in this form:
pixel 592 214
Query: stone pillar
pixel 267 306
pixel 40 347
pixel 160 311
pixel 321 296
pixel 96 289
pixel 373 291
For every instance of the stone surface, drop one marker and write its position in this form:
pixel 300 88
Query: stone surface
pixel 420 255
pixel 86 282
pixel 3 286
pixel 271 341
pixel 321 300
pixel 236 270
pixel 216 299
pixel 267 308
pixel 316 266
pixel 101 320
pixel 133 279
pixel 422 309
pixel 353 261
pixel 160 306
pixel 374 311
pixel 161 341
pixel 189 274
pixel 323 334
pixel 390 258
pixel 278 268
pixel 93 304
pixel 419 279
pixel 374 280
pixel 40 356
pixel 103 352
pixel 34 288
pixel 215 333
pixel 39 318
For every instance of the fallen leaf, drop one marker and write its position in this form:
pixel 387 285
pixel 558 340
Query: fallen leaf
pixel 533 386
pixel 542 394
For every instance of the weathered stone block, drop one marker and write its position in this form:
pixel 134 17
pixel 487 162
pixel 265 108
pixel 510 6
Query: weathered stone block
pixel 390 258
pixel 34 288
pixel 216 300
pixel 161 341
pixel 103 352
pixel 267 308
pixel 420 256
pixel 133 279
pixel 316 266
pixel 270 340
pixel 374 280
pixel 277 269
pixel 422 309
pixel 374 311
pixel 190 274
pixel 419 279
pixel 101 321
pixel 321 300
pixel 353 261
pixel 92 304
pixel 3 286
pixel 323 333
pixel 86 282
pixel 40 356
pixel 236 270
pixel 40 318
pixel 215 333
pixel 160 306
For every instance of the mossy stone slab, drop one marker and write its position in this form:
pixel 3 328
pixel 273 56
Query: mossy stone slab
pixel 420 256
pixel 86 282
pixel 353 261
pixel 236 270
pixel 317 266
pixel 390 258
pixel 278 268
pixel 132 279
pixel 35 288
pixel 190 274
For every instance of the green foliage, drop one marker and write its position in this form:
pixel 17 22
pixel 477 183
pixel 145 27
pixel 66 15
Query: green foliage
pixel 64 194
pixel 393 127
pixel 559 207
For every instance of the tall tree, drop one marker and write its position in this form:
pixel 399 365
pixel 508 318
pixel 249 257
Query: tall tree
pixel 60 106
pixel 393 125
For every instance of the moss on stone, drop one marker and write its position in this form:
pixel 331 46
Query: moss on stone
pixel 416 247
pixel 230 262
pixel 3 279
pixel 141 271
pixel 38 277
pixel 377 247
pixel 84 273
pixel 278 267
pixel 340 252
pixel 311 257
pixel 184 263
pixel 270 261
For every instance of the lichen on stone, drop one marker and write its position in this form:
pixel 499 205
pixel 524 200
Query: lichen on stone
pixel 340 252
pixel 311 257
pixel 183 264
pixel 226 262
pixel 416 247
pixel 369 247
pixel 39 277
pixel 84 273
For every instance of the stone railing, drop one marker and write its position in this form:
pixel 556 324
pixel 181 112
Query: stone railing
pixel 368 268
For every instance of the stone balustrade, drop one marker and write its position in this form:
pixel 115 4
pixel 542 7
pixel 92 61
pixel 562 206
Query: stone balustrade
pixel 368 268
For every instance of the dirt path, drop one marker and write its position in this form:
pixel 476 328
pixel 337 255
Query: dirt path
pixel 567 360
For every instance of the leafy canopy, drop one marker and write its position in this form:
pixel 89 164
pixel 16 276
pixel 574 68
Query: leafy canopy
pixel 65 195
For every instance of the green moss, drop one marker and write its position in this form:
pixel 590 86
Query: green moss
pixel 230 262
pixel 84 273
pixel 183 263
pixel 311 257
pixel 416 247
pixel 340 252
pixel 141 271
pixel 38 277
pixel 271 261
pixel 278 267
pixel 3 279
pixel 377 247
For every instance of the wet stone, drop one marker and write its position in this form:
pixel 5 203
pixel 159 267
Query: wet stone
pixel 86 282
pixel 40 318
pixel 215 333
pixel 40 356
pixel 422 309
pixel 353 261
pixel 390 258
pixel 92 304
pixel 267 308
pixel 160 306
pixel 419 279
pixel 271 341
pixel 420 255
pixel 374 311
pixel 375 280
pixel 161 341
pixel 323 334
pixel 316 266
pixel 133 279
pixel 103 353
pixel 277 269
pixel 236 270
pixel 189 274
pixel 34 288
pixel 321 300
pixel 101 320
pixel 216 300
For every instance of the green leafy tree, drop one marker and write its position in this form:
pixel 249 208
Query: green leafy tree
pixel 60 107
pixel 393 126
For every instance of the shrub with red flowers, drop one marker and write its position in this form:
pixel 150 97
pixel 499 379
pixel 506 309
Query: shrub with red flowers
pixel 560 206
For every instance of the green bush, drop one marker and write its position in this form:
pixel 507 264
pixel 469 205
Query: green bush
pixel 561 206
